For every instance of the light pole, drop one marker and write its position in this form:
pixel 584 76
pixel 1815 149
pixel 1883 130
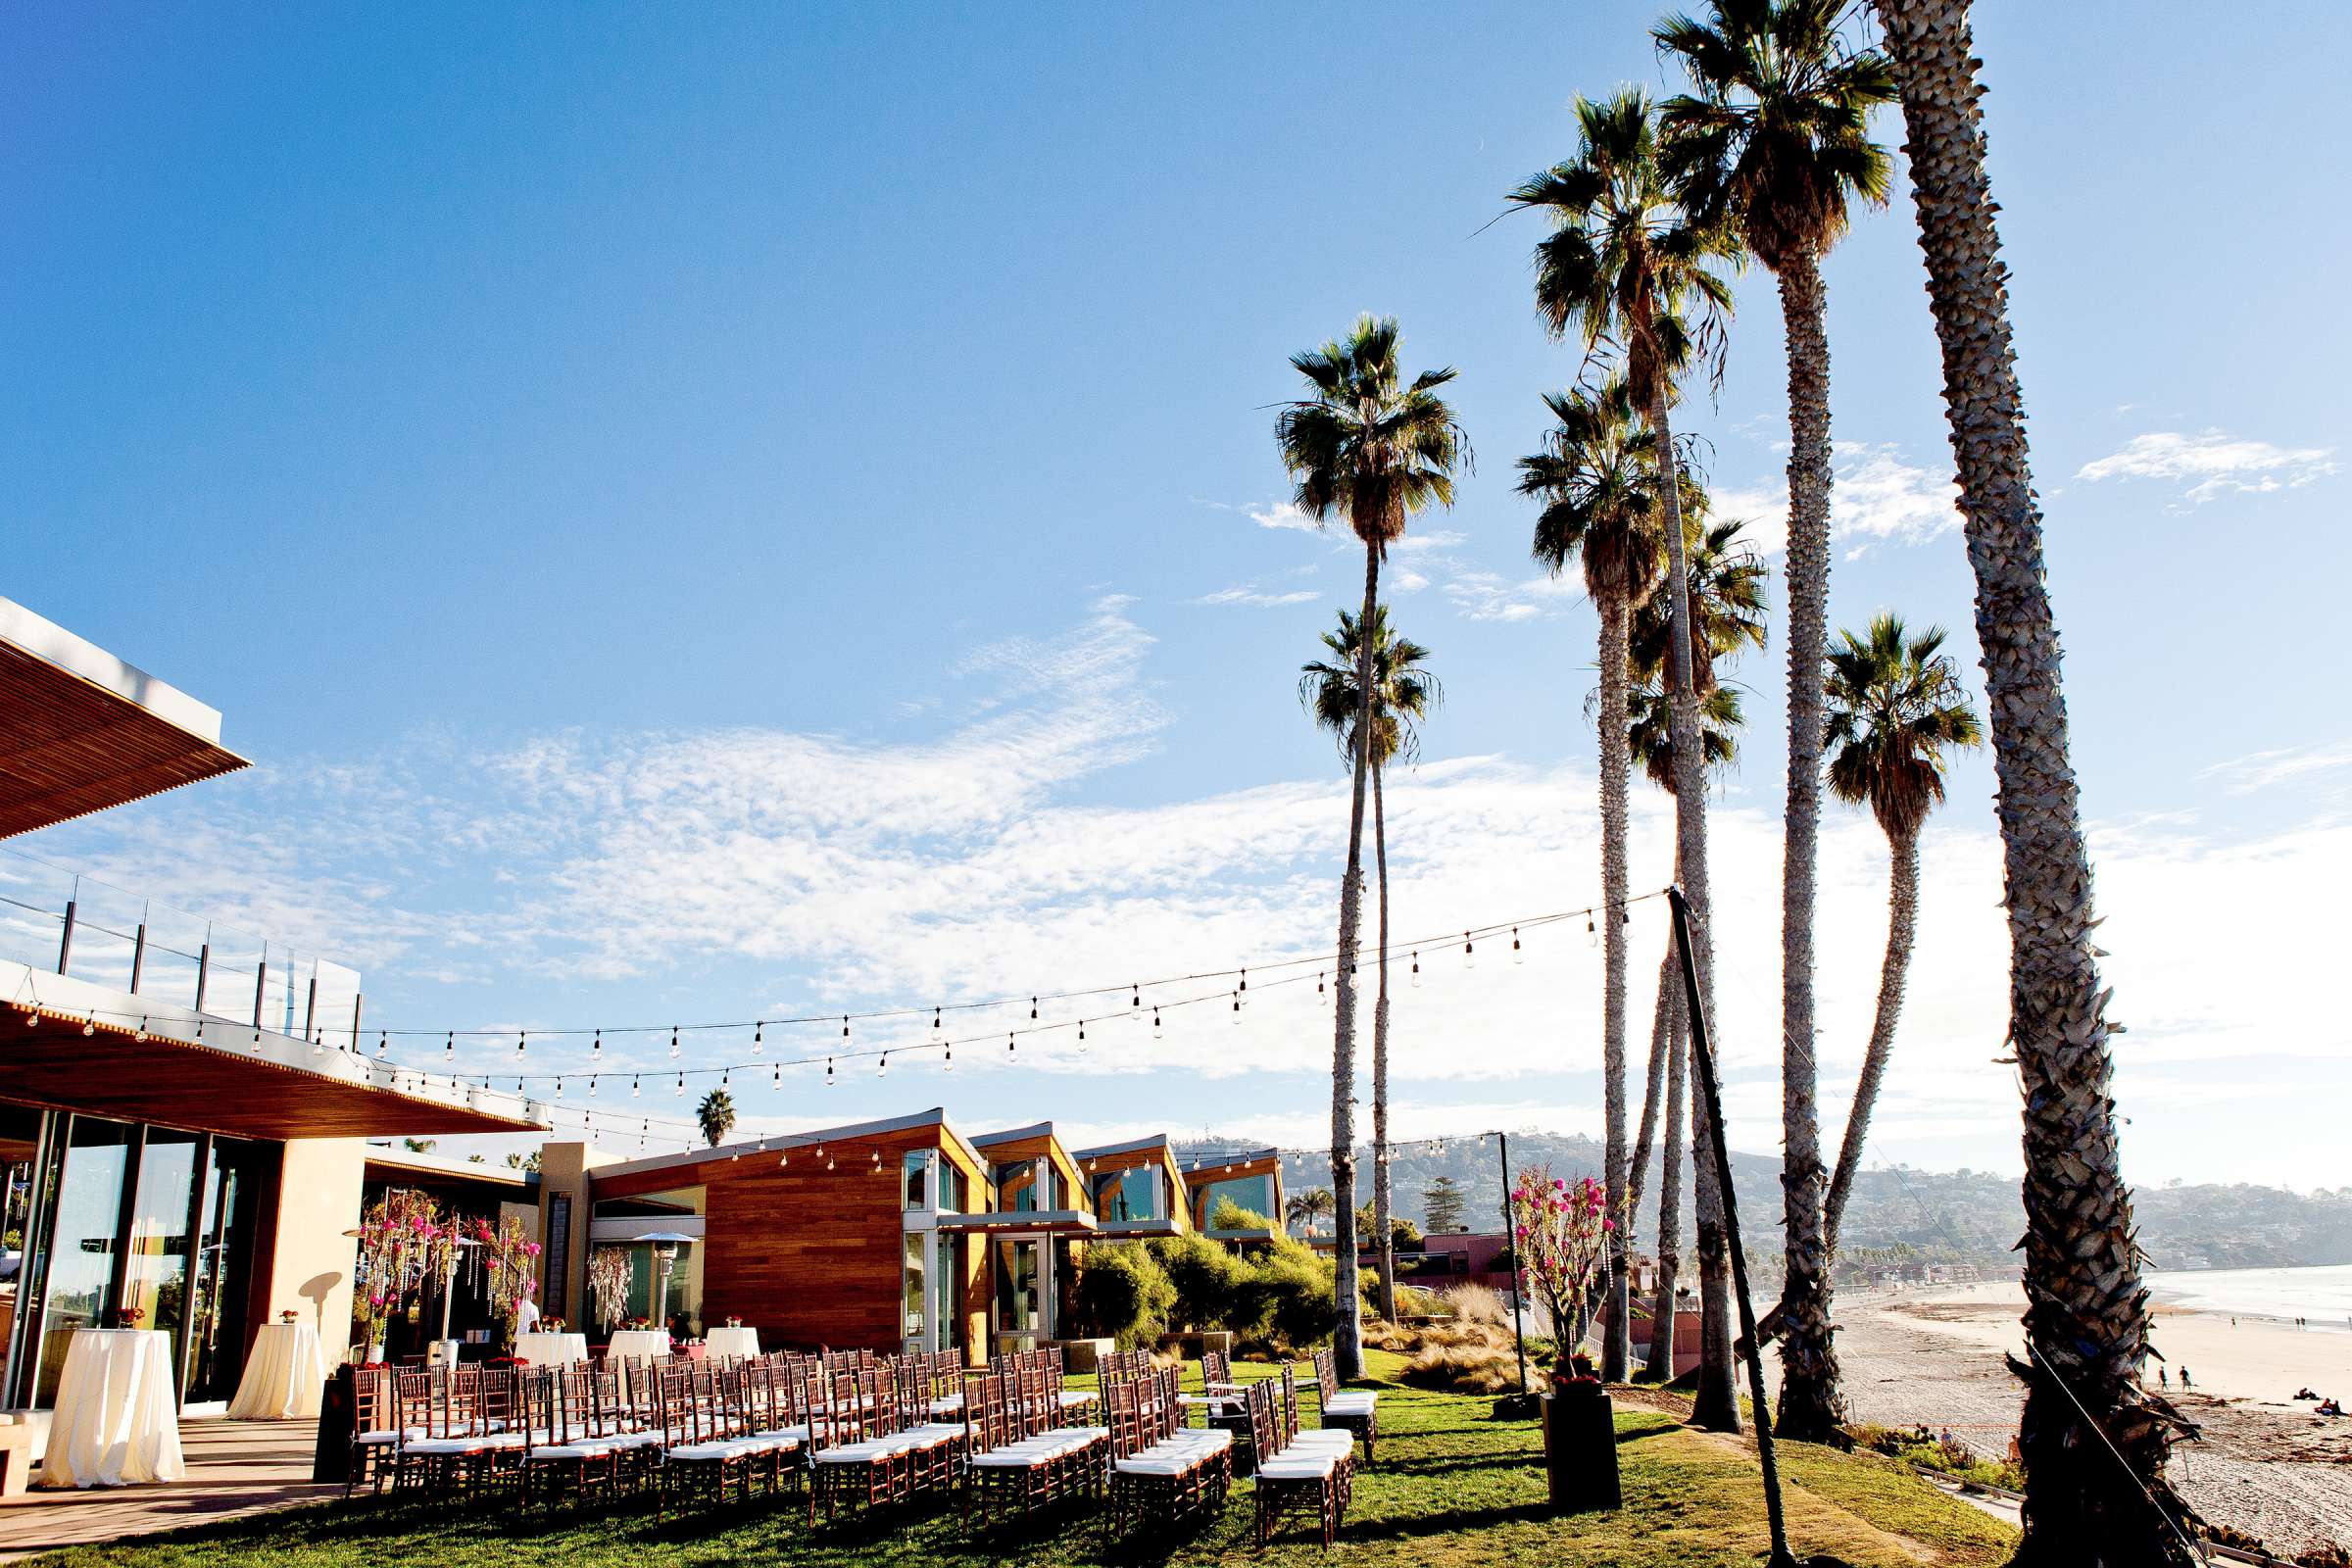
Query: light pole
pixel 665 1253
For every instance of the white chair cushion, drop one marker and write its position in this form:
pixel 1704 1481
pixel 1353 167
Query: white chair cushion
pixel 572 1450
pixel 1353 1403
pixel 436 1446
pixel 1291 1466
pixel 702 1452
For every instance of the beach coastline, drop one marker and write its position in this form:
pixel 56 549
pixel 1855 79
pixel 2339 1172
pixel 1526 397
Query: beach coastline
pixel 2263 1462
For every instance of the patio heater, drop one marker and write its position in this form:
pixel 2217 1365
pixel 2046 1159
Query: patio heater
pixel 666 1245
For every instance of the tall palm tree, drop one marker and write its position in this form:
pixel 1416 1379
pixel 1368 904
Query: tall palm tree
pixel 1896 710
pixel 1775 138
pixel 1651 739
pixel 1727 599
pixel 1404 692
pixel 1598 477
pixel 1624 267
pixel 717 1114
pixel 2086 1321
pixel 1305 1208
pixel 1369 448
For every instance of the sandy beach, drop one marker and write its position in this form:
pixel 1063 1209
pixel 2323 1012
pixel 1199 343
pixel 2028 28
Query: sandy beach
pixel 2265 1463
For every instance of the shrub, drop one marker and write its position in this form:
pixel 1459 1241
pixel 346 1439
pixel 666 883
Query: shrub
pixel 1123 1294
pixel 1921 1446
pixel 1204 1275
pixel 1227 1215
pixel 1476 1303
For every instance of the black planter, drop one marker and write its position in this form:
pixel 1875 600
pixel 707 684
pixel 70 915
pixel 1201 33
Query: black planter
pixel 338 1422
pixel 1580 1448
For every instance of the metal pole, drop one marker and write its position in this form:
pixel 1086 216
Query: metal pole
pixel 203 970
pixel 310 1012
pixel 1702 1056
pixel 261 986
pixel 138 956
pixel 1502 1141
pixel 65 946
pixel 357 998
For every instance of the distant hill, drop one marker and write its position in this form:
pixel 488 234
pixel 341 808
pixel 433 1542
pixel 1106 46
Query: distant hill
pixel 1963 1215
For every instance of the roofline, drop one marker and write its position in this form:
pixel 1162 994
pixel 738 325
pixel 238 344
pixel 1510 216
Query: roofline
pixel 53 645
pixel 440 1164
pixel 935 1116
pixel 1133 1146
pixel 1012 1135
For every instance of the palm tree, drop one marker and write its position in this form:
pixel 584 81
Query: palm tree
pixel 1727 599
pixel 1598 477
pixel 2086 1327
pixel 717 1114
pixel 1371 448
pixel 1404 691
pixel 1650 740
pixel 1775 140
pixel 1896 710
pixel 1305 1208
pixel 1625 267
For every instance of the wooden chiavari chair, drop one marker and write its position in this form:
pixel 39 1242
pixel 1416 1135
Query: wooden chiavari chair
pixel 1355 1411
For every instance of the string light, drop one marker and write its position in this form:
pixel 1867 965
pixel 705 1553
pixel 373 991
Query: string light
pixel 844 1026
pixel 947 1063
pixel 90 1028
pixel 598 1048
pixel 635 1085
pixel 1516 955
pixel 449 1047
pixel 1010 1047
pixel 141 1035
pixel 1318 982
pixel 1244 980
pixel 784 1159
pixel 759 1037
pixel 1155 1021
pixel 1416 968
pixel 1138 1000
pixel 681 1086
pixel 882 1067
pixel 1237 1010
pixel 1033 1010
pixel 1469 953
pixel 592 1086
pixel 828 1074
pixel 1082 1034
pixel 383 1040
pixel 934 1017
pixel 673 1042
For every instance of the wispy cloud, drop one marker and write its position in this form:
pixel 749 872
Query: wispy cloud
pixel 1875 497
pixel 1250 595
pixel 1283 514
pixel 2292 764
pixel 2211 464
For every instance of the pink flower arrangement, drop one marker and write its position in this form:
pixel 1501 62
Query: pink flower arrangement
pixel 1559 1231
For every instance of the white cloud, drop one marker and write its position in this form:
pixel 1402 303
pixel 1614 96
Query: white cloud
pixel 1406 581
pixel 1250 594
pixel 1491 596
pixel 629 875
pixel 1283 514
pixel 2211 464
pixel 1874 497
pixel 2293 764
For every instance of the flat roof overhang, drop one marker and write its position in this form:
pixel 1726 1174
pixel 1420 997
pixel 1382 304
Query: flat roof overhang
pixel 82 1052
pixel 85 731
pixel 1136 1226
pixel 1027 1222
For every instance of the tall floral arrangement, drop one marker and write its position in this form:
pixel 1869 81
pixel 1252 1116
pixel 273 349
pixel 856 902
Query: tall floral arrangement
pixel 608 1285
pixel 406 1242
pixel 511 1265
pixel 1560 1229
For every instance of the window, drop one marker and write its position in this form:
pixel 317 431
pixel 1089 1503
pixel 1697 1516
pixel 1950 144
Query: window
pixel 916 1295
pixel 953 1188
pixel 1129 1194
pixel 1016 1187
pixel 918 1178
pixel 1256 1194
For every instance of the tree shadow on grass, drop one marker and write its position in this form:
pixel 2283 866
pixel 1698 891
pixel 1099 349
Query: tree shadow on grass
pixel 1446 1524
pixel 1639 1434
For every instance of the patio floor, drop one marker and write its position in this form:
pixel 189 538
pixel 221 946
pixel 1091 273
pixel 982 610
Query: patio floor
pixel 233 1467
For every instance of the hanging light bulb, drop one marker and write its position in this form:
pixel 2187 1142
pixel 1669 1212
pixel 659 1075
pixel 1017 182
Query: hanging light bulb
pixel 844 1026
pixel 727 1077
pixel 882 1067
pixel 784 1159
pixel 559 1086
pixel 1319 983
pixel 673 1042
pixel 1082 1034
pixel 1244 980
pixel 90 1028
pixel 935 1017
pixel 636 1086
pixel 1516 955
pixel 449 1047
pixel 1237 1010
pixel 592 1086
pixel 200 1027
pixel 383 1039
pixel 681 1086
pixel 141 1035
pixel 829 1164
pixel 1033 1010
pixel 820 1151
pixel 1010 1048
pixel 828 1072
pixel 1469 953
pixel 1416 968
pixel 1156 1034
pixel 1137 999
pixel 759 1037
pixel 256 1037
pixel 32 1015
pixel 949 1064
pixel 597 1050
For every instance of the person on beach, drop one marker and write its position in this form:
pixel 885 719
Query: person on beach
pixel 2184 1383
pixel 2160 1379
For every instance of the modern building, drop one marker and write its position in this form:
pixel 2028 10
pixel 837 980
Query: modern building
pixel 183 1110
pixel 899 1235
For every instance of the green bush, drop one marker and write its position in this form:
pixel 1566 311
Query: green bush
pixel 1204 1275
pixel 1227 1215
pixel 1123 1294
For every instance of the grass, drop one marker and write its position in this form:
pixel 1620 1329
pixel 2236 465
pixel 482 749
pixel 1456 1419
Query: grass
pixel 1454 1489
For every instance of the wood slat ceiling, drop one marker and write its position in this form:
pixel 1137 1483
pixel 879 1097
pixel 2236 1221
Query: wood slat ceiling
pixel 53 1063
pixel 69 748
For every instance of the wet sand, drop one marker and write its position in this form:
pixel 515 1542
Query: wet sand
pixel 2265 1463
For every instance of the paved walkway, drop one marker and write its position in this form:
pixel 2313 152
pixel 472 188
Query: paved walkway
pixel 233 1468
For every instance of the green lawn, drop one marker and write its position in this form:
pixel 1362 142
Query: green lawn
pixel 1452 1487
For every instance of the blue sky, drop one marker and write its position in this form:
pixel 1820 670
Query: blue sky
pixel 700 513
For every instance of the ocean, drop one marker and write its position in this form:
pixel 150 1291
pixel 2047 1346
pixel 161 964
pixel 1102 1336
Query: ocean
pixel 2321 1294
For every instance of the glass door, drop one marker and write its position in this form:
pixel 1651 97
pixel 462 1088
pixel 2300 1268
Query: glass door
pixel 75 1267
pixel 1020 1292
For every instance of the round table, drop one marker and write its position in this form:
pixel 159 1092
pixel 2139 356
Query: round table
pixel 638 1345
pixel 551 1349
pixel 115 1421
pixel 282 1377
pixel 739 1343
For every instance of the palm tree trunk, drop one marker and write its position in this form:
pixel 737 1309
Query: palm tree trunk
pixel 1382 1232
pixel 1716 1402
pixel 1811 1408
pixel 2087 1315
pixel 1616 765
pixel 1347 1339
pixel 1660 1367
pixel 1902 910
pixel 1637 1162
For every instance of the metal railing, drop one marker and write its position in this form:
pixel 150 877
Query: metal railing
pixel 68 922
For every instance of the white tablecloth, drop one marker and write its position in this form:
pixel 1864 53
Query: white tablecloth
pixel 740 1343
pixel 282 1375
pixel 115 1421
pixel 638 1345
pixel 552 1350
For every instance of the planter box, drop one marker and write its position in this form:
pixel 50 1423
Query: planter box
pixel 1189 1345
pixel 1085 1356
pixel 1580 1448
